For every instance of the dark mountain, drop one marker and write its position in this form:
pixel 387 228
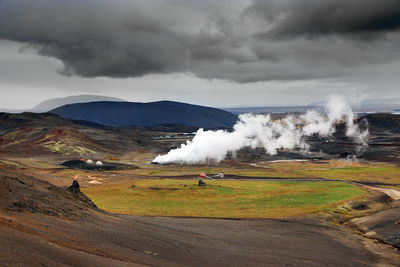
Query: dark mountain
pixel 147 114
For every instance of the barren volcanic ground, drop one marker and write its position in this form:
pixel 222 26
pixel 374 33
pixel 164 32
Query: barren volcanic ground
pixel 44 221
pixel 42 224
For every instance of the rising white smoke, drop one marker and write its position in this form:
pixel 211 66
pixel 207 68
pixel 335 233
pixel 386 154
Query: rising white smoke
pixel 261 131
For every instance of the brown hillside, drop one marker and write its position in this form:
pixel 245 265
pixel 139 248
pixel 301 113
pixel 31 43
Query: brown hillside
pixel 49 140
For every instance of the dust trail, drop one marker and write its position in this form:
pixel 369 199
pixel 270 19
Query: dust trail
pixel 261 131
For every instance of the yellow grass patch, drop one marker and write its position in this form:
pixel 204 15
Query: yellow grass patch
pixel 238 199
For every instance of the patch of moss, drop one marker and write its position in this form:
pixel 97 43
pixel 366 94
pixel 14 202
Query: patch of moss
pixel 65 149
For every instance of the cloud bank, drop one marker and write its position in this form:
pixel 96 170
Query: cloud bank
pixel 242 40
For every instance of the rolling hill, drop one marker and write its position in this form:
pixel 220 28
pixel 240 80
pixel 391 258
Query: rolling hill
pixel 147 114
pixel 49 140
pixel 44 133
pixel 58 102
pixel 9 121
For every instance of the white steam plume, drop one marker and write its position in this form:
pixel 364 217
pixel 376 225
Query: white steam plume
pixel 261 131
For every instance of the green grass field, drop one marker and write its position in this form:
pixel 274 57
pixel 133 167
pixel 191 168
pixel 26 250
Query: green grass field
pixel 239 199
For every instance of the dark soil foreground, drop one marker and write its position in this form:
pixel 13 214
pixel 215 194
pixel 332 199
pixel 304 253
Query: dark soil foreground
pixel 35 240
pixel 45 225
pixel 384 225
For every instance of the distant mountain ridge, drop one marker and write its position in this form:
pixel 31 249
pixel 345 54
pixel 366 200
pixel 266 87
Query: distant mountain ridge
pixel 61 101
pixel 277 109
pixel 147 114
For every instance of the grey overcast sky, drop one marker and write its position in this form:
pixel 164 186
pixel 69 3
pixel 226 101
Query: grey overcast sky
pixel 209 52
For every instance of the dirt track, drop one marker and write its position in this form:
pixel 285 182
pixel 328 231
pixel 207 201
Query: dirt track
pixel 126 240
pixel 392 193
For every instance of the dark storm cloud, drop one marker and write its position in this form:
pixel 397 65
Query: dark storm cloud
pixel 240 40
pixel 326 17
pixel 95 38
